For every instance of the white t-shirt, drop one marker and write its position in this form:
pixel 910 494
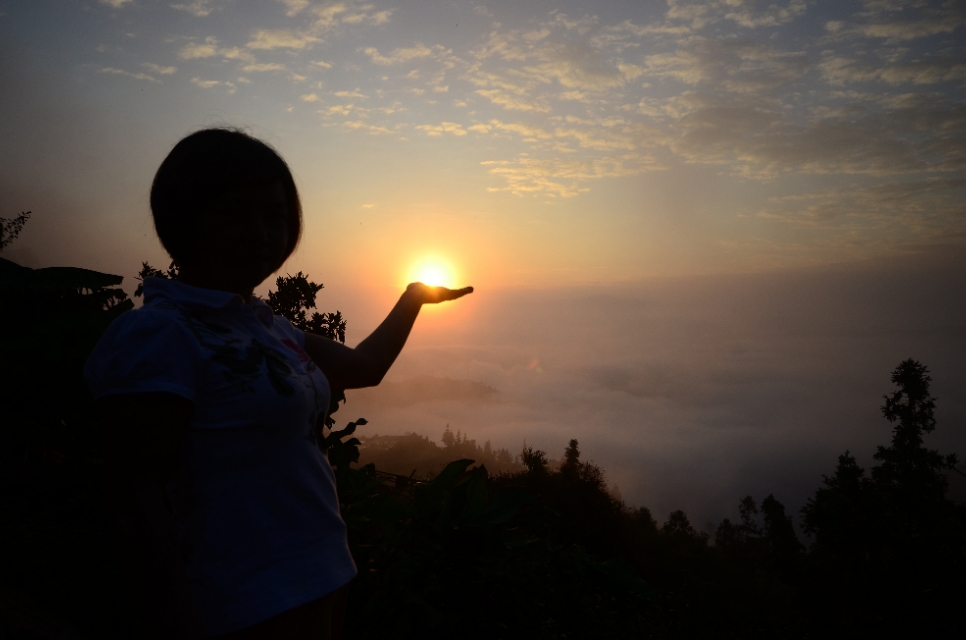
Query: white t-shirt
pixel 255 499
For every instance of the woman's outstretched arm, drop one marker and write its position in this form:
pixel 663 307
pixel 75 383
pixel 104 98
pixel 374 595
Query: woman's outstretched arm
pixel 368 362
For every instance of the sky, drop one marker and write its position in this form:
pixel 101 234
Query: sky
pixel 702 233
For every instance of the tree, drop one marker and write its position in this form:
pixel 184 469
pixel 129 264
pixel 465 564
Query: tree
pixel 295 295
pixel 10 229
pixel 678 525
pixel 893 538
pixel 909 472
pixel 784 549
pixel 534 460
pixel 448 439
pixel 571 465
pixel 741 540
pixel 843 515
pixel 147 271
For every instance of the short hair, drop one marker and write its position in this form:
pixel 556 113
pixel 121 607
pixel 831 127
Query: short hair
pixel 202 168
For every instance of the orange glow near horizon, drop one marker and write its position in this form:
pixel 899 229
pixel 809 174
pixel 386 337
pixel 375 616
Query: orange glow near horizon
pixel 433 271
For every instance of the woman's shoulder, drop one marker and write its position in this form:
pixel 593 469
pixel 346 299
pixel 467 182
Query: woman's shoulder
pixel 154 327
pixel 146 349
pixel 161 316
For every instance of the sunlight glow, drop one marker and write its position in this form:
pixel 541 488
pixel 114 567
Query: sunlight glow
pixel 433 271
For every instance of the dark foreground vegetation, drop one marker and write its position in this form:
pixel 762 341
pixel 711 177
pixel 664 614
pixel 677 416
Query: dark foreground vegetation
pixel 532 551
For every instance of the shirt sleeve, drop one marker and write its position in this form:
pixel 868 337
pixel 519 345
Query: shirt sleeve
pixel 143 351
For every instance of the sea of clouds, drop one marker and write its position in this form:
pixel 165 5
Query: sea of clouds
pixel 690 392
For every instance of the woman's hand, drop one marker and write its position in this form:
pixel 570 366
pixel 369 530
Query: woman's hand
pixel 366 365
pixel 434 295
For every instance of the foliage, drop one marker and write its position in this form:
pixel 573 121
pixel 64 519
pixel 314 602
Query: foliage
pixel 10 229
pixel 419 457
pixel 147 271
pixel 467 558
pixel 535 461
pixel 893 537
pixel 54 545
pixel 294 296
pixel 50 320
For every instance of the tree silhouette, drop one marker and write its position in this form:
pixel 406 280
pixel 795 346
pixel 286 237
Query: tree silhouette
pixel 843 516
pixel 678 525
pixel 893 538
pixel 295 296
pixel 571 465
pixel 147 271
pixel 535 460
pixel 448 439
pixel 784 549
pixel 10 229
pixel 911 474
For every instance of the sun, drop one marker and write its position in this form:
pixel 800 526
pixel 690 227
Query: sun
pixel 434 272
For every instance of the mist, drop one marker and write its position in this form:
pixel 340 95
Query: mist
pixel 690 392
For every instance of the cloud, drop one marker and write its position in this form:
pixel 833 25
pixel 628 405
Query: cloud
pixel 513 102
pixel 380 17
pixel 733 66
pixel 839 71
pixel 928 21
pixel 195 50
pixel 164 71
pixel 523 130
pixel 116 4
pixel 377 18
pixel 424 389
pixel 337 109
pixel 326 16
pixel 924 210
pixel 294 7
pixel 235 53
pixel 136 76
pixel 350 94
pixel 444 127
pixel 574 65
pixel 398 56
pixel 210 84
pixel 562 177
pixel 365 127
pixel 749 14
pixel 311 97
pixel 200 8
pixel 760 142
pixel 265 39
pixel 270 66
pixel 321 64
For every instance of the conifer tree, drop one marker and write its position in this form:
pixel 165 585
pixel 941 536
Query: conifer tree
pixel 447 438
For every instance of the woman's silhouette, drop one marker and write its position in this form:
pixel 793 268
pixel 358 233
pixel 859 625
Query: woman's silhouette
pixel 224 506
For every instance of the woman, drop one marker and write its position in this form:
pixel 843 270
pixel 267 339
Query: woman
pixel 224 506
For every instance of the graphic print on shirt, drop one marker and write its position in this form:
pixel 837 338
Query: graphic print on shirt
pixel 242 364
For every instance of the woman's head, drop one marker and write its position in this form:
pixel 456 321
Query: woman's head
pixel 217 192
